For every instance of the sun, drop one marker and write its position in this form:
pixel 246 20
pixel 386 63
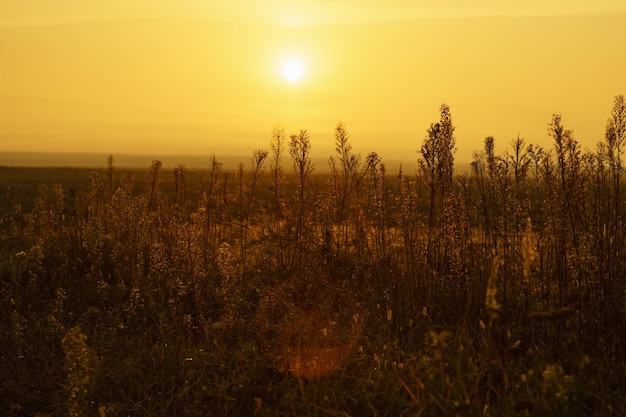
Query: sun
pixel 292 70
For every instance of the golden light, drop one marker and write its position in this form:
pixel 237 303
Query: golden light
pixel 292 70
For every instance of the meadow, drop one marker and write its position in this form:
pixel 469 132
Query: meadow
pixel 272 290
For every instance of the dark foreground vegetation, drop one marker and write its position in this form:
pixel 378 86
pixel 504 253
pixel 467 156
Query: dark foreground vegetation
pixel 500 292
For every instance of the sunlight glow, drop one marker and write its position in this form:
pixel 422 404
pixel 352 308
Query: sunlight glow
pixel 292 70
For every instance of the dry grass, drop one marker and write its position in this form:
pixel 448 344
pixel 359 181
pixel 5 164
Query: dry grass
pixel 357 293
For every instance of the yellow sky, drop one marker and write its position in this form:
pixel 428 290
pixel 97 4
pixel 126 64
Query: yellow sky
pixel 202 77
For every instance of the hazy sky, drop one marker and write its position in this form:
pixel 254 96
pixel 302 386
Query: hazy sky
pixel 202 77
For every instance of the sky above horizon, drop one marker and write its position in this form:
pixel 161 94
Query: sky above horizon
pixel 205 77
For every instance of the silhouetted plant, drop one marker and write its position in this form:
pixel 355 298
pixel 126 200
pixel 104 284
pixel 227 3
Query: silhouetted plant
pixel 212 210
pixel 437 162
pixel 344 174
pixel 255 176
pixel 437 165
pixel 615 139
pixel 300 149
pixel 569 198
pixel 277 148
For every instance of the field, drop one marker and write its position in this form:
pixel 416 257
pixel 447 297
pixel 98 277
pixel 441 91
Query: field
pixel 271 290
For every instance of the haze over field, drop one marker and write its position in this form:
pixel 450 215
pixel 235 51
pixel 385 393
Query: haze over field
pixel 202 78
